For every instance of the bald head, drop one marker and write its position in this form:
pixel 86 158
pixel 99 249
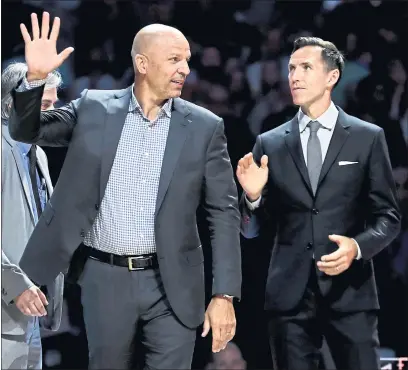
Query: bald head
pixel 151 38
pixel 160 57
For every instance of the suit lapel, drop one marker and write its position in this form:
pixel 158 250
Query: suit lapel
pixel 340 135
pixel 117 111
pixel 294 145
pixel 23 177
pixel 175 140
pixel 20 167
pixel 45 173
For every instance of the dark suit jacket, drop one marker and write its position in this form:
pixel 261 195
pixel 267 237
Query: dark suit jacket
pixel 196 170
pixel 356 200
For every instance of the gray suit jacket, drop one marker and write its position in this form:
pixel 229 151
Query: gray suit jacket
pixel 196 170
pixel 17 226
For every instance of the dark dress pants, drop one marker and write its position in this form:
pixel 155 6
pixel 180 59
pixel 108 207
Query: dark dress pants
pixel 125 309
pixel 296 336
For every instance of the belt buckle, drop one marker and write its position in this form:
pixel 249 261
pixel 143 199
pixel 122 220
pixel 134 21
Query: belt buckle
pixel 130 264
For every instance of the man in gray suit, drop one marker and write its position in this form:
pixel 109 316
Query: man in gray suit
pixel 140 162
pixel 22 301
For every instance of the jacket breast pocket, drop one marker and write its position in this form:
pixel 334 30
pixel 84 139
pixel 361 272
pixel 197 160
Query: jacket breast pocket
pixel 195 256
pixel 347 174
pixel 48 213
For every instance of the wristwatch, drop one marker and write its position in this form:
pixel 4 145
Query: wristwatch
pixel 226 296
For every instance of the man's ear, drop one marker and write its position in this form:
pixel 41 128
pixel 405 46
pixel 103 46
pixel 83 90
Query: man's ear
pixel 333 78
pixel 141 63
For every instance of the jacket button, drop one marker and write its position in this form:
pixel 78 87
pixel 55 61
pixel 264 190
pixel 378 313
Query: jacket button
pixel 97 207
pixel 315 211
pixel 82 233
pixel 309 245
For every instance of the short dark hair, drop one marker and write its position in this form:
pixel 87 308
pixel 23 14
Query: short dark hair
pixel 333 58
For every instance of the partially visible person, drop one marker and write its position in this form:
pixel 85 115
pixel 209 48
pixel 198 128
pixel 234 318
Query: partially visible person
pixel 25 189
pixel 229 358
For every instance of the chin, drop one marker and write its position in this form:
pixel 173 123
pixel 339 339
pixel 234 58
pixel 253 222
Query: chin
pixel 175 94
pixel 297 101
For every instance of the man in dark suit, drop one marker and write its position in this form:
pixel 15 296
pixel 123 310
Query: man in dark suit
pixel 322 185
pixel 139 163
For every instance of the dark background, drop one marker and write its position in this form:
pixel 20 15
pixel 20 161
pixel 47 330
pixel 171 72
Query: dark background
pixel 240 51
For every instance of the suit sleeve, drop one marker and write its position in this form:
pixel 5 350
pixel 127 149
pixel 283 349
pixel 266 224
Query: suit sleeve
pixel 384 219
pixel 254 219
pixel 29 124
pixel 13 280
pixel 221 205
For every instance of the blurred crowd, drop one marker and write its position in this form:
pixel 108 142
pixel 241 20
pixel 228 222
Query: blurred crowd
pixel 240 50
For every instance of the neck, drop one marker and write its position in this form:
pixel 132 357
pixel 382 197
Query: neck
pixel 149 103
pixel 317 108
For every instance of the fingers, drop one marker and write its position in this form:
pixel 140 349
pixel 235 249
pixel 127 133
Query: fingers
pixel 65 54
pixel 35 27
pixel 222 334
pixel 239 170
pixel 330 264
pixel 246 161
pixel 45 25
pixel 333 267
pixel 336 238
pixel 264 161
pixel 25 310
pixel 55 29
pixel 333 256
pixel 37 308
pixel 42 297
pixel 24 33
pixel 32 308
pixel 335 270
pixel 206 326
pixel 217 343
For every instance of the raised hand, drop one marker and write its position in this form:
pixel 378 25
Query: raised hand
pixel 251 177
pixel 40 50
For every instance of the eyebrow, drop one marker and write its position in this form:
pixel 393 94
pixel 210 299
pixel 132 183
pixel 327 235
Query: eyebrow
pixel 304 64
pixel 178 55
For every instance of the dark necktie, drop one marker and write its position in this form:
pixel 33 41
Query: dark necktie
pixel 314 155
pixel 33 178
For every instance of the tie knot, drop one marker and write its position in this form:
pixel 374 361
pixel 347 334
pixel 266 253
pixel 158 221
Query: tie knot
pixel 314 126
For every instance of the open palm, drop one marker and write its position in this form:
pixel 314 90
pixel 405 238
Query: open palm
pixel 41 50
pixel 251 176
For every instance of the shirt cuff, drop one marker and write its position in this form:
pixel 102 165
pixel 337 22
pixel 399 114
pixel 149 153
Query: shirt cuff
pixel 358 250
pixel 253 205
pixel 25 85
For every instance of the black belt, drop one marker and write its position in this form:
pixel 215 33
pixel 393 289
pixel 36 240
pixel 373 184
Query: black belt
pixel 133 263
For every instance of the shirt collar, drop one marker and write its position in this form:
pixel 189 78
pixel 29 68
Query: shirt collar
pixel 24 148
pixel 327 119
pixel 134 105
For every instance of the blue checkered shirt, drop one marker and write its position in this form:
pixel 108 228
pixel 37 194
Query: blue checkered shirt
pixel 125 222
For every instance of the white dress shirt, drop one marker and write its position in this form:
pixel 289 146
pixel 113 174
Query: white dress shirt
pixel 328 120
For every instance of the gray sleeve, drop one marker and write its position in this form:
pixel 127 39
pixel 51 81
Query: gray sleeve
pixel 13 280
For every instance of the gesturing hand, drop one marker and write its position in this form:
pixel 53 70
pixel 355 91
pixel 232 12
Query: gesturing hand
pixel 41 51
pixel 251 177
pixel 339 261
